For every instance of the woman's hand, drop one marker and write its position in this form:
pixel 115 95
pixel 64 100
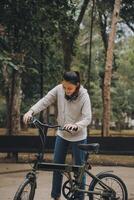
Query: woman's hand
pixel 27 116
pixel 70 127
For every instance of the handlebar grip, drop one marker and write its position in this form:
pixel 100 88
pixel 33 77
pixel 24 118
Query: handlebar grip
pixel 68 130
pixel 31 120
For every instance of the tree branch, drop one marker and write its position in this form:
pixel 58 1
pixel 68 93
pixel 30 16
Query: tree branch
pixel 103 26
pixel 128 24
pixel 5 75
pixel 82 12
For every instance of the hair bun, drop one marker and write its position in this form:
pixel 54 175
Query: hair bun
pixel 72 76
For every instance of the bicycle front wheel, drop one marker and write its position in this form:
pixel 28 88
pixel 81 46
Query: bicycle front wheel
pixel 118 188
pixel 26 191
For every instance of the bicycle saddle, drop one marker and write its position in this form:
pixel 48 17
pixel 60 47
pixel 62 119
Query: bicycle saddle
pixel 94 147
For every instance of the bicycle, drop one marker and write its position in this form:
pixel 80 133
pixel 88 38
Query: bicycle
pixel 103 186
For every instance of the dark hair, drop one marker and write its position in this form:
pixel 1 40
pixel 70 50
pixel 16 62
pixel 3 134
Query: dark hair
pixel 72 76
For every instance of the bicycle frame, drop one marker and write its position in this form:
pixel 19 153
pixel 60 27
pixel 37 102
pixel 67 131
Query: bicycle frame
pixel 66 168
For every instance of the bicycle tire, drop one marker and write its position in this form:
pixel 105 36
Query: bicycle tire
pixel 119 185
pixel 26 191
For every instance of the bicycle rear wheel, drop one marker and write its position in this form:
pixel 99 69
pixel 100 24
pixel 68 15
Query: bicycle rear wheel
pixel 26 191
pixel 118 192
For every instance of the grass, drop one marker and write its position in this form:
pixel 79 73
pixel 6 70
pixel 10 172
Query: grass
pixel 104 160
pixel 93 132
pixel 122 133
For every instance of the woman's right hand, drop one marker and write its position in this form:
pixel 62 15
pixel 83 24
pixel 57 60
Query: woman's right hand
pixel 27 116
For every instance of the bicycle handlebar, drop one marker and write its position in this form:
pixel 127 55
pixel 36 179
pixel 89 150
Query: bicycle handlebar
pixel 43 132
pixel 36 122
pixel 41 125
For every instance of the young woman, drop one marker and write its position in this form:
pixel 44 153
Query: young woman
pixel 74 114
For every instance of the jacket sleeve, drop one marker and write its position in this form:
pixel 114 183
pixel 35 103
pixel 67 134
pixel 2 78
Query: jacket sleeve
pixel 86 114
pixel 46 101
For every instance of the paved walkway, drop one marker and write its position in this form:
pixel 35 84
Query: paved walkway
pixel 6 168
pixel 11 175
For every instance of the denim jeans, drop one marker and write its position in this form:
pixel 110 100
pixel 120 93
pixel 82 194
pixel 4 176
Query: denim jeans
pixel 60 152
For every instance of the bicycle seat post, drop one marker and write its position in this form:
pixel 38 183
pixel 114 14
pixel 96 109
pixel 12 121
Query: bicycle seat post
pixel 86 157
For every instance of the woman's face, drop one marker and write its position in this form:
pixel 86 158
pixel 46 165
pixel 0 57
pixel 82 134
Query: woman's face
pixel 68 87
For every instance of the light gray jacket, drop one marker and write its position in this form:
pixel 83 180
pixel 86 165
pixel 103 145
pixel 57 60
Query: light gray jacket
pixel 69 112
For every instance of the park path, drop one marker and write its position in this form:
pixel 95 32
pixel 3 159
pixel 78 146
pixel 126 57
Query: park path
pixel 12 174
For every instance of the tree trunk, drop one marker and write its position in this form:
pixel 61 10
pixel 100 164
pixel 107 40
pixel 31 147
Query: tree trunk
pixel 67 45
pixel 13 104
pixel 108 70
pixel 16 103
pixel 13 94
pixel 68 41
pixel 90 46
pixel 103 26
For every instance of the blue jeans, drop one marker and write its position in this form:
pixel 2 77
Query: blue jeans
pixel 60 152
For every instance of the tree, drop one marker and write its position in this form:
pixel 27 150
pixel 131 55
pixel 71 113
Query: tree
pixel 122 90
pixel 69 29
pixel 108 70
pixel 102 28
pixel 12 91
pixel 15 19
pixel 127 13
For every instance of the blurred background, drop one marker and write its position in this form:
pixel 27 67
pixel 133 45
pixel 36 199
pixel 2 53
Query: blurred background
pixel 40 39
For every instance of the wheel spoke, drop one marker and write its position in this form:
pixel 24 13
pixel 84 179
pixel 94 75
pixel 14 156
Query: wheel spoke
pixel 118 188
pixel 26 191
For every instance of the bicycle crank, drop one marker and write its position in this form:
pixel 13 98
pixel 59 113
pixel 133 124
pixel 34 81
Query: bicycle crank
pixel 69 190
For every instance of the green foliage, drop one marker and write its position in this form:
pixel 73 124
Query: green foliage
pixel 122 92
pixel 127 11
pixel 123 72
pixel 5 59
pixel 36 30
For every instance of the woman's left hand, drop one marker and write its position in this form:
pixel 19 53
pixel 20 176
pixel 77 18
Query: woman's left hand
pixel 70 127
